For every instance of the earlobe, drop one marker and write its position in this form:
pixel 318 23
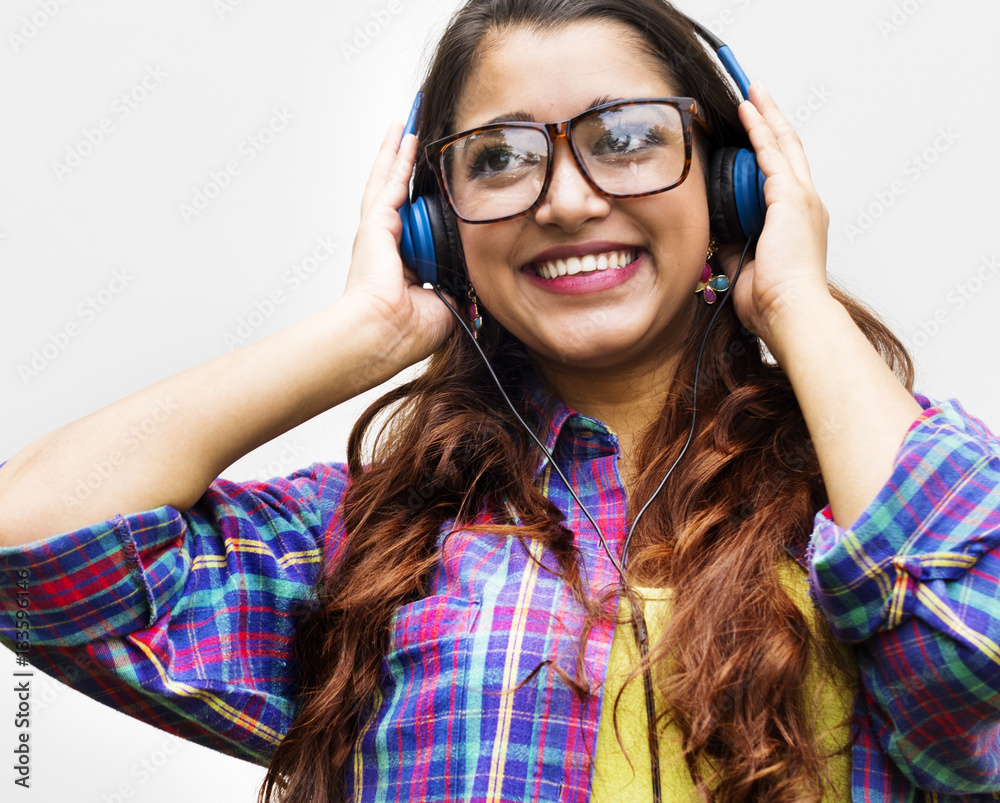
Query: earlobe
pixel 713 246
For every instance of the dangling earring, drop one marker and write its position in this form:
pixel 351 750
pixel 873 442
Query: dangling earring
pixel 712 283
pixel 474 316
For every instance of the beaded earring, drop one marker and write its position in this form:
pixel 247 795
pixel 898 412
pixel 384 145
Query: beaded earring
pixel 474 316
pixel 711 284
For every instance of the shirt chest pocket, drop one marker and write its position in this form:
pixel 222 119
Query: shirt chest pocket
pixel 419 733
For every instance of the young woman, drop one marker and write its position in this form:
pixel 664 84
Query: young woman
pixel 805 610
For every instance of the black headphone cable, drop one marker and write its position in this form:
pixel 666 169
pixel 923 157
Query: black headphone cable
pixel 638 619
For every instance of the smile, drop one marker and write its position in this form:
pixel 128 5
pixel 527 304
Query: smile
pixel 589 263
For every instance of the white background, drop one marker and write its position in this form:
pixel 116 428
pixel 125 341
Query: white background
pixel 883 79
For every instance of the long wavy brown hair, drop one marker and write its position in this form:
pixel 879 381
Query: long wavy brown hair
pixel 732 662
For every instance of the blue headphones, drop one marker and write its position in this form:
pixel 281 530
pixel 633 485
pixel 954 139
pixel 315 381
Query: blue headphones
pixel 432 247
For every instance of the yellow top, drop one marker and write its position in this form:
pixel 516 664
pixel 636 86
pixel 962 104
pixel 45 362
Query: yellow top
pixel 616 780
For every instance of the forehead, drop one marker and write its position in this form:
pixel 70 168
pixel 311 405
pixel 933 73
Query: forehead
pixel 557 73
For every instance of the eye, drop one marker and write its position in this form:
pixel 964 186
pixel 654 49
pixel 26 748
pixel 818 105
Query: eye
pixel 502 159
pixel 625 139
pixel 491 159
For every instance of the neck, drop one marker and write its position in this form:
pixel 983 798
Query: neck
pixel 626 398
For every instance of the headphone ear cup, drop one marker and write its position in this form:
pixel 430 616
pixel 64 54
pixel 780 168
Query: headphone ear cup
pixel 416 244
pixel 724 222
pixel 735 195
pixel 447 245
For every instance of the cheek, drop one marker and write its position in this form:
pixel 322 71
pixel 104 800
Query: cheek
pixel 680 226
pixel 487 250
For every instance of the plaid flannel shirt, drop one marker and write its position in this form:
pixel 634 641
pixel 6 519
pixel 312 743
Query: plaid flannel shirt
pixel 184 619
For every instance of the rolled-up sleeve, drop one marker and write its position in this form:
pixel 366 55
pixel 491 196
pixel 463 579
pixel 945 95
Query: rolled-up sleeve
pixel 183 619
pixel 915 584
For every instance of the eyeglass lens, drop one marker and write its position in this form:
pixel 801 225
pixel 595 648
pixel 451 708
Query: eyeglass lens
pixel 628 149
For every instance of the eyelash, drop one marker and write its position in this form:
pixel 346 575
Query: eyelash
pixel 649 138
pixel 482 154
pixel 480 157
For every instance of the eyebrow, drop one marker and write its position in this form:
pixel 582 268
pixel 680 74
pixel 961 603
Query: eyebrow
pixel 524 117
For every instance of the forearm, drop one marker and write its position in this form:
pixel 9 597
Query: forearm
pixel 917 582
pixel 856 409
pixel 164 444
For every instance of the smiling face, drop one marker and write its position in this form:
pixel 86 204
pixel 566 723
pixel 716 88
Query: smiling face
pixel 623 316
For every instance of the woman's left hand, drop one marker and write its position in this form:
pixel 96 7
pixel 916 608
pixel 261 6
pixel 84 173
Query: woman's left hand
pixel 787 273
pixel 856 409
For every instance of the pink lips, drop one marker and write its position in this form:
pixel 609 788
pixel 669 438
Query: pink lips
pixel 580 283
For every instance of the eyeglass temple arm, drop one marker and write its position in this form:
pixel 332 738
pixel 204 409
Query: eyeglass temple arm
pixel 725 56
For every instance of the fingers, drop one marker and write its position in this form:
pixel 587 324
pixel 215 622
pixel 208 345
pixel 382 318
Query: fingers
pixel 391 168
pixel 411 275
pixel 383 160
pixel 773 136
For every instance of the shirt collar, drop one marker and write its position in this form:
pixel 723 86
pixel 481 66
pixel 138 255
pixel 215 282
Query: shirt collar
pixel 566 431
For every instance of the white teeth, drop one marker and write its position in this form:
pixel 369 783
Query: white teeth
pixel 585 264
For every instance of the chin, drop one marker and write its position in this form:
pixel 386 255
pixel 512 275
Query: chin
pixel 596 349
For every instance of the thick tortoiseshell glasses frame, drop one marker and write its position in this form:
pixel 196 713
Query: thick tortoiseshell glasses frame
pixel 687 107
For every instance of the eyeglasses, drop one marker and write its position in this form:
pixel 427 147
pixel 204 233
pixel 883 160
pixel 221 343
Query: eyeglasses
pixel 625 149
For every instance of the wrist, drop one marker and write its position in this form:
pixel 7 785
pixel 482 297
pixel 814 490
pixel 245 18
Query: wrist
pixel 370 338
pixel 795 316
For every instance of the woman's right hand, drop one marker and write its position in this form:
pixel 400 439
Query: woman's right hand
pixel 196 423
pixel 378 281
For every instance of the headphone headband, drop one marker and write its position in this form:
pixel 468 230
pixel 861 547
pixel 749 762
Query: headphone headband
pixel 725 55
pixel 430 243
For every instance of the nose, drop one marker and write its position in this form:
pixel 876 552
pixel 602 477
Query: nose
pixel 570 200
